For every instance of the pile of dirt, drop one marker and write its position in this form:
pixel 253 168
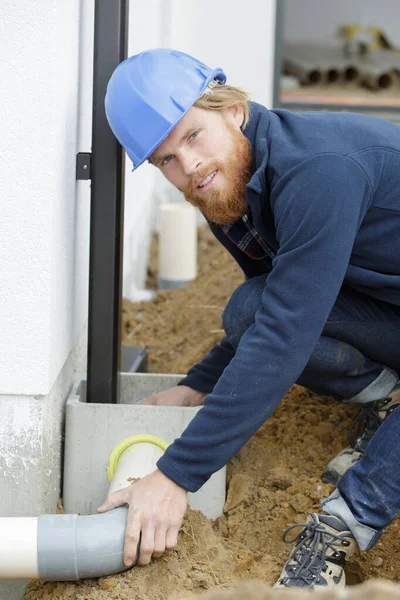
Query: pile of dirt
pixel 379 589
pixel 272 482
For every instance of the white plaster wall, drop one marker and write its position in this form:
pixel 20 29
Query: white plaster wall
pixel 239 38
pixel 220 34
pixel 319 19
pixel 41 272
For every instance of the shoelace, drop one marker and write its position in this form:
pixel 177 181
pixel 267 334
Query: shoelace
pixel 310 552
pixel 367 422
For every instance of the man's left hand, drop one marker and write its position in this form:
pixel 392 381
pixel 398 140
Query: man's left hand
pixel 156 509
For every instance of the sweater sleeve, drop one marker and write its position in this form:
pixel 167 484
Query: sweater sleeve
pixel 318 207
pixel 205 374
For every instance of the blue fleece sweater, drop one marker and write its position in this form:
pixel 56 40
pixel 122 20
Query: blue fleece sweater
pixel 325 196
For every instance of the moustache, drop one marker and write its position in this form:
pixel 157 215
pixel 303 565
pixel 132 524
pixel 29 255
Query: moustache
pixel 201 174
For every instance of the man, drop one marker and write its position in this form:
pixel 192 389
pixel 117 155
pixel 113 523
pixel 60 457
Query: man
pixel 309 206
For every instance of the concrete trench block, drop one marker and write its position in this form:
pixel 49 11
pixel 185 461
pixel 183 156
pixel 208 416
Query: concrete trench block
pixel 93 430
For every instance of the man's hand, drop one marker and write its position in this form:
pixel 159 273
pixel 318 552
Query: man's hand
pixel 180 395
pixel 156 509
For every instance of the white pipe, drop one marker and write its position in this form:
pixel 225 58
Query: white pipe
pixel 177 249
pixel 135 462
pixel 18 548
pixel 70 547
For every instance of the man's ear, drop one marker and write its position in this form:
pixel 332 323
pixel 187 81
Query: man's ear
pixel 235 115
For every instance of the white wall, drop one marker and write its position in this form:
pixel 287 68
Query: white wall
pixel 230 34
pixel 46 50
pixel 220 34
pixel 42 271
pixel 319 19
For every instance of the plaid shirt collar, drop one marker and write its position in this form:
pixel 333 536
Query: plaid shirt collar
pixel 242 232
pixel 244 235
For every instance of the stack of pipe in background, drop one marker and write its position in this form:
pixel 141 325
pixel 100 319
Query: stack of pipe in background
pixel 316 64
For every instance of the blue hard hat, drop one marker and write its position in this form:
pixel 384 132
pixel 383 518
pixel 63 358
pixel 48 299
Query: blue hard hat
pixel 149 93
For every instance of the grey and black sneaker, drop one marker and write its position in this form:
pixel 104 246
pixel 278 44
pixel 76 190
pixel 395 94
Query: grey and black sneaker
pixel 369 419
pixel 319 557
pixel 339 465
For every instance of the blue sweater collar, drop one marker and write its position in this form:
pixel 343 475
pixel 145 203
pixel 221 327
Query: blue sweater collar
pixel 256 132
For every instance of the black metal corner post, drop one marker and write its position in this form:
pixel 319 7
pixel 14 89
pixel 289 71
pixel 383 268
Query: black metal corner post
pixel 279 51
pixel 106 219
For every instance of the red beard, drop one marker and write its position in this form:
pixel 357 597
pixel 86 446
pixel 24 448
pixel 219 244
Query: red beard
pixel 224 204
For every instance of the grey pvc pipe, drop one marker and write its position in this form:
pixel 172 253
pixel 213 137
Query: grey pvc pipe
pixel 382 81
pixel 376 75
pixel 71 547
pixel 303 69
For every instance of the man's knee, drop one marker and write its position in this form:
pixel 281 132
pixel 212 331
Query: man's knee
pixel 240 311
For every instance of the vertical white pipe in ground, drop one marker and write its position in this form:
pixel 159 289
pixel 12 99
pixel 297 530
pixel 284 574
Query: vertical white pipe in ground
pixel 177 248
pixel 137 461
pixel 18 548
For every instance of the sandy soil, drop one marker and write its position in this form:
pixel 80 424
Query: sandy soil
pixel 273 481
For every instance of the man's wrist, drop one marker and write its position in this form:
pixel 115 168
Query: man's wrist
pixel 164 477
pixel 196 396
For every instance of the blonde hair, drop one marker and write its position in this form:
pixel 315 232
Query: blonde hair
pixel 224 96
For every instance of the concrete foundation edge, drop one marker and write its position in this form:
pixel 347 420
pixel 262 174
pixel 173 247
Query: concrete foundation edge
pixel 31 436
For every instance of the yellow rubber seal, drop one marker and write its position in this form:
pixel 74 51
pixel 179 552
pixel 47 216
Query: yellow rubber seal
pixel 130 441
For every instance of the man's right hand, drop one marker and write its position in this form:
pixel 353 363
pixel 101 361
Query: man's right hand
pixel 180 395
